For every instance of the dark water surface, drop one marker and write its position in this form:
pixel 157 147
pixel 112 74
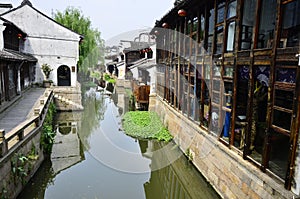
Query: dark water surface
pixel 93 158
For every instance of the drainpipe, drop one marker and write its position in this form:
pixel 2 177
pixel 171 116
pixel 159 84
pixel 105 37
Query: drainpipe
pixel 19 90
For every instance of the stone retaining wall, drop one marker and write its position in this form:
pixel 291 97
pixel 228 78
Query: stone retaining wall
pixel 69 98
pixel 20 164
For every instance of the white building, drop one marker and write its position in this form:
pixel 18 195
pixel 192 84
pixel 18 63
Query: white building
pixel 48 41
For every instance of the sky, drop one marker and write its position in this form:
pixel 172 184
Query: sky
pixel 110 17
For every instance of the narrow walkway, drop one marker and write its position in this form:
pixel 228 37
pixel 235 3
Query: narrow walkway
pixel 19 111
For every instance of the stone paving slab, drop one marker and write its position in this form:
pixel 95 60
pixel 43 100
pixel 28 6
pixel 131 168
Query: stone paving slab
pixel 18 111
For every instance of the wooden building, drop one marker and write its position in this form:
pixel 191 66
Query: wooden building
pixel 231 67
pixel 17 69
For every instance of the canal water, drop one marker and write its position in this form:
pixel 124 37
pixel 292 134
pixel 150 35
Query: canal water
pixel 93 158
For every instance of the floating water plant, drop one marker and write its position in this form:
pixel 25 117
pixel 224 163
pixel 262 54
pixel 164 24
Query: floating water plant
pixel 145 125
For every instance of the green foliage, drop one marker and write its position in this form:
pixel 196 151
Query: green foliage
pixel 95 74
pixel 188 154
pixel 18 167
pixel 48 134
pixel 33 155
pixel 89 50
pixel 47 70
pixel 109 79
pixel 106 77
pixel 21 165
pixel 144 124
pixel 3 194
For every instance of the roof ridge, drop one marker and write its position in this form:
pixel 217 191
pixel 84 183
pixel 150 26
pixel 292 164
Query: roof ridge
pixel 26 2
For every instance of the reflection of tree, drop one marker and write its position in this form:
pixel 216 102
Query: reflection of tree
pixel 94 109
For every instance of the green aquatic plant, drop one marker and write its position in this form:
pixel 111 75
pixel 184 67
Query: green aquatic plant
pixel 48 133
pixel 145 125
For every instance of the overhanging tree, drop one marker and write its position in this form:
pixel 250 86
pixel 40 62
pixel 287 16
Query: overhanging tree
pixel 89 50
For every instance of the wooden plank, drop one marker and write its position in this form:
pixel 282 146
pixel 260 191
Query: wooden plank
pixel 262 52
pixel 282 109
pixel 262 62
pixel 280 130
pixel 242 62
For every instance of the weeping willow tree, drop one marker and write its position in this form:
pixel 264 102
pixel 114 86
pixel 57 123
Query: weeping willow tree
pixel 90 53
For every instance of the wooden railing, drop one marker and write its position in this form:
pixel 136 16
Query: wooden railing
pixel 9 140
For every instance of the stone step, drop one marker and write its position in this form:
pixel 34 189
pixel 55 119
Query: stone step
pixel 68 102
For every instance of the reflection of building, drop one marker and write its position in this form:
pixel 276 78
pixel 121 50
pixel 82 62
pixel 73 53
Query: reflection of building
pixel 121 96
pixel 66 150
pixel 176 179
pixel 228 69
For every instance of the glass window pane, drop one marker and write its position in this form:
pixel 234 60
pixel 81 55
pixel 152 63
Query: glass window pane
pixel 262 74
pixel 195 24
pixel 219 40
pixel 280 147
pixel 267 24
pixel 231 10
pixel 228 71
pixel 230 36
pixel 202 27
pixel 247 24
pixel 211 24
pixel 215 119
pixel 216 97
pixel 221 12
pixel 282 119
pixel 216 70
pixel 241 106
pixel 206 104
pixel 287 75
pixel 209 44
pixel 206 72
pixel 290 25
pixel 284 99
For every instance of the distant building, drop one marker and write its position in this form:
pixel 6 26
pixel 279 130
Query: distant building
pixel 49 42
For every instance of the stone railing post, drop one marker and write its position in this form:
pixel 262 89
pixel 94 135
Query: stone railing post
pixel 21 135
pixel 3 143
pixel 37 113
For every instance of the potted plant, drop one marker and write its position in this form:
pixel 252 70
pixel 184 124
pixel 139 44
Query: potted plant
pixel 47 70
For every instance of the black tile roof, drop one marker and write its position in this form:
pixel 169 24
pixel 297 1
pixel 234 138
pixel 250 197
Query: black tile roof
pixel 12 55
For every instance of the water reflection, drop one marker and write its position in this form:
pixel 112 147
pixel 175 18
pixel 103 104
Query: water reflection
pixel 97 160
pixel 177 180
pixel 94 109
pixel 66 150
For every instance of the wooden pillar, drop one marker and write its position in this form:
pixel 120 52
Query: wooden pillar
pixel 19 87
